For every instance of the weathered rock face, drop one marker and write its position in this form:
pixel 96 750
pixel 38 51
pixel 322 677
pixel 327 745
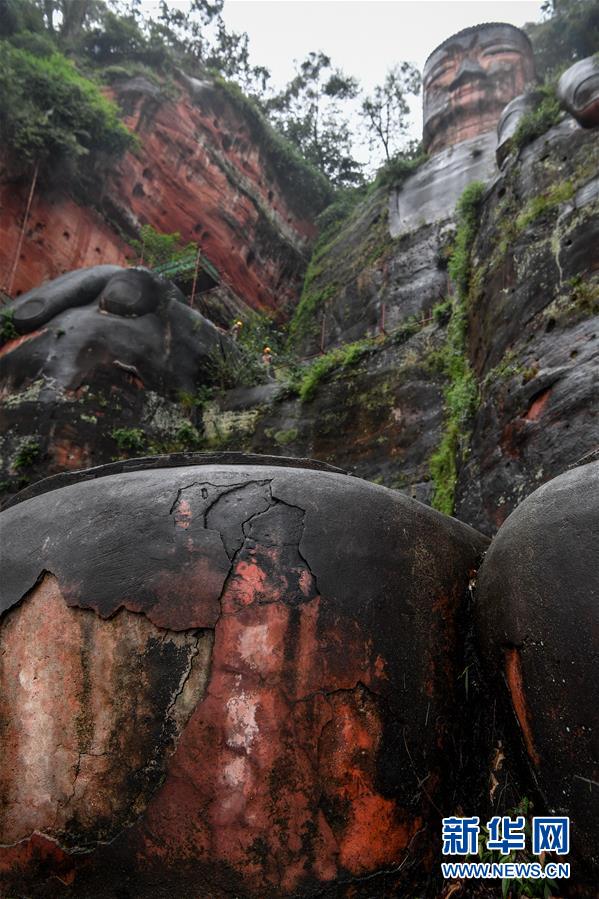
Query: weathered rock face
pixel 538 628
pixel 578 89
pixel 370 278
pixel 265 722
pixel 430 195
pixel 380 418
pixel 509 121
pixel 99 350
pixel 533 325
pixel 207 169
pixel 469 79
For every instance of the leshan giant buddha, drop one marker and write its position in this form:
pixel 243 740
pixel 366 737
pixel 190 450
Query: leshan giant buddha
pixel 469 79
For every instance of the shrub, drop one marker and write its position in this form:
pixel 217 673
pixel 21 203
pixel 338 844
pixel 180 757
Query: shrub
pixel 399 168
pixel 339 358
pixel 161 249
pixel 7 326
pixel 540 119
pixel 48 111
pixel 132 439
pixel 28 453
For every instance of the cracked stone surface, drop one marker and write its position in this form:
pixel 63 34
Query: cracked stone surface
pixel 332 605
pixel 538 627
pixel 88 711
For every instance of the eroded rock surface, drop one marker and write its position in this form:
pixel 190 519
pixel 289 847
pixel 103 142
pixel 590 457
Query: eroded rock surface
pixel 328 703
pixel 90 709
pixel 207 169
pixel 100 351
pixel 538 628
pixel 533 325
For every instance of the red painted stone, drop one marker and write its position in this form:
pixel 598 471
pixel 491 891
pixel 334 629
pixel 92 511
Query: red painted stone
pixel 297 630
pixel 469 79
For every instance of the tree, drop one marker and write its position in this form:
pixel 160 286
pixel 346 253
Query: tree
pixel 229 56
pixel 66 18
pixel 309 113
pixel 569 32
pixel 385 111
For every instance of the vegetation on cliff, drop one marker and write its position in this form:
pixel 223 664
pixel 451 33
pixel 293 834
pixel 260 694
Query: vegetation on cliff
pixel 313 141
pixel 462 391
pixel 51 114
pixel 570 31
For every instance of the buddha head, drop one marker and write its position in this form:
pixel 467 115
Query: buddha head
pixel 469 79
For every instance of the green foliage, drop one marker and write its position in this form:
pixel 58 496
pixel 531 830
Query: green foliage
pixel 17 16
pixel 161 249
pixel 337 212
pixel 506 369
pixel 516 887
pixel 399 168
pixel 386 111
pixel 461 394
pixel 120 39
pixel 556 195
pixel 339 358
pixel 581 301
pixel 468 208
pixel 187 436
pixel 7 325
pixel 309 113
pixel 51 113
pixel 197 400
pixel 570 32
pixel 28 453
pixel 35 43
pixel 259 330
pixel 282 438
pixel 131 439
pixel 309 187
pixel 243 369
pixel 442 311
pixel 537 121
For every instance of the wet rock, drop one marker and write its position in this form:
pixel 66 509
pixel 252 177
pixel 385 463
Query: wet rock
pixel 578 90
pixel 100 350
pixel 380 419
pixel 537 621
pixel 533 325
pixel 508 124
pixel 469 79
pixel 431 194
pixel 316 738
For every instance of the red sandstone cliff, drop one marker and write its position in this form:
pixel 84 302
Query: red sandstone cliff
pixel 206 167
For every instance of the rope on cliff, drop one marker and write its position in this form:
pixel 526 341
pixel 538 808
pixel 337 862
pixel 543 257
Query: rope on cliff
pixel 24 226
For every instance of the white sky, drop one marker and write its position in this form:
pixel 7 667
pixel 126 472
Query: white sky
pixel 362 37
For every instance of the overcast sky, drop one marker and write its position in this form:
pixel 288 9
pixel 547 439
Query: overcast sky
pixel 363 37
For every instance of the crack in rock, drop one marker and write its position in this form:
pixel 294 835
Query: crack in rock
pixel 90 710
